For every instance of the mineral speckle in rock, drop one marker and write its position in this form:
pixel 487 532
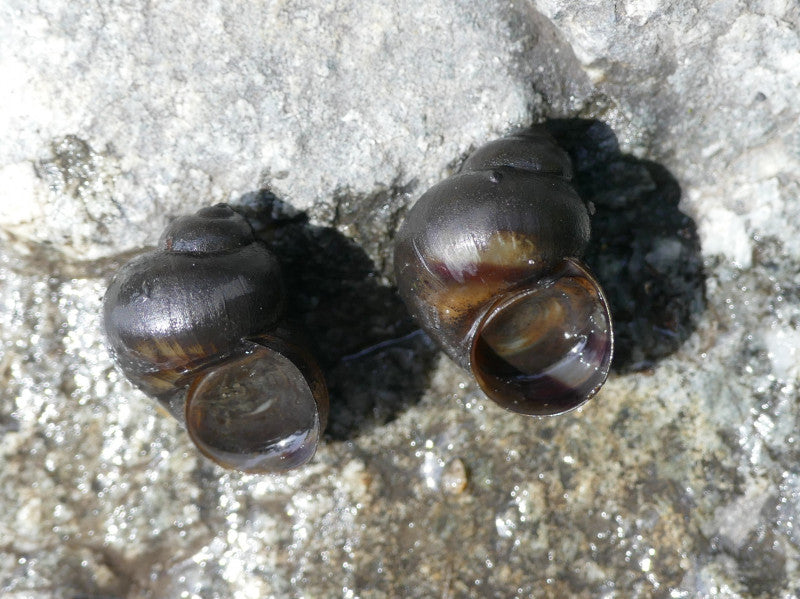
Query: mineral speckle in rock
pixel 454 477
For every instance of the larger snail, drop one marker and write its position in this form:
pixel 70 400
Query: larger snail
pixel 197 325
pixel 488 262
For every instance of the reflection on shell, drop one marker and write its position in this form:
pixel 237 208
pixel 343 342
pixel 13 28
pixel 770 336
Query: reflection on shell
pixel 488 262
pixel 197 325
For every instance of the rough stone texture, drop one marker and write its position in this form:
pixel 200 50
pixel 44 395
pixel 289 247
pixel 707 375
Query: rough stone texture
pixel 324 121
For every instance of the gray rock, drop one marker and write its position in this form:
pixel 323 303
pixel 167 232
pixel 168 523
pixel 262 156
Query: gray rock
pixel 679 479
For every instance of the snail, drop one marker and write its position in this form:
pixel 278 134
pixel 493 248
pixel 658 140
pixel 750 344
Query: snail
pixel 488 263
pixel 197 324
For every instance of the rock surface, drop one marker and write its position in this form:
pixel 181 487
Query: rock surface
pixel 323 122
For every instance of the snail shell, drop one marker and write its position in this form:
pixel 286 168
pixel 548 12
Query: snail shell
pixel 197 325
pixel 488 262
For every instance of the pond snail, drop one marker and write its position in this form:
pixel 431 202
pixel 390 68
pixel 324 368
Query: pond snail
pixel 488 262
pixel 197 324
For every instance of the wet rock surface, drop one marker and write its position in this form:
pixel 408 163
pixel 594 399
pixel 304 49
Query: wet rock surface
pixel 323 124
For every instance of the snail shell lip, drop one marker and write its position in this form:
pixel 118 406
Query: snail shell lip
pixel 487 263
pixel 198 324
pixel 545 349
pixel 261 412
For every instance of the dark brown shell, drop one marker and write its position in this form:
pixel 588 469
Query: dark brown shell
pixel 509 223
pixel 201 302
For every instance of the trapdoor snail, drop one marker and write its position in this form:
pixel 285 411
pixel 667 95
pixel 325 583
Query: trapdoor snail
pixel 488 262
pixel 197 325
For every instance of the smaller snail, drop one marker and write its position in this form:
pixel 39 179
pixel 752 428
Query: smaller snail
pixel 197 325
pixel 488 263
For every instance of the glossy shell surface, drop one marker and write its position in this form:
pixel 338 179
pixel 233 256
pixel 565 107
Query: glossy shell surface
pixel 488 261
pixel 182 320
